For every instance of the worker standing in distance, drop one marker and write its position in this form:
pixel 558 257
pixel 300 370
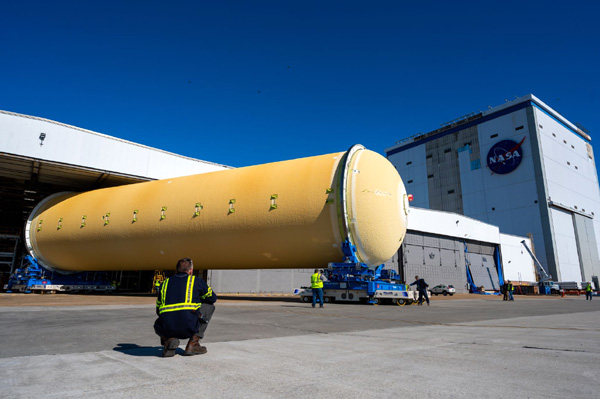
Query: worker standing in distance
pixel 316 283
pixel 422 288
pixel 510 290
pixel 184 307
pixel 588 291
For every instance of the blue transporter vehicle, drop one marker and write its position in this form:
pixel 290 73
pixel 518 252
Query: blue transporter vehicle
pixel 36 279
pixel 354 281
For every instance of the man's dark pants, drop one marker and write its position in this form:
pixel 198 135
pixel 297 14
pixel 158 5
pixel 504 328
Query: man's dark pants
pixel 206 311
pixel 317 296
pixel 423 294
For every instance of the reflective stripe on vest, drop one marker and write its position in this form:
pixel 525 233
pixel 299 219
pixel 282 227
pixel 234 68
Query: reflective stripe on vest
pixel 187 305
pixel 209 293
pixel 316 281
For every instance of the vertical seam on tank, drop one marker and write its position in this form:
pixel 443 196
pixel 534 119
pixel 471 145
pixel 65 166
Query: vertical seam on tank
pixel 355 237
pixel 335 214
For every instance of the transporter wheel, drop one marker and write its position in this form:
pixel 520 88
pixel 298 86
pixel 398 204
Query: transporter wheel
pixel 400 302
pixel 376 301
pixel 451 294
pixel 445 293
pixel 327 299
pixel 305 299
pixel 409 301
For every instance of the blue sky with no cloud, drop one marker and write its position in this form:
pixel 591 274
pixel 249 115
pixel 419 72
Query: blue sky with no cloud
pixel 250 82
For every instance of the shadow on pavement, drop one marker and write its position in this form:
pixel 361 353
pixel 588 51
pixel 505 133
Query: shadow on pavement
pixel 136 350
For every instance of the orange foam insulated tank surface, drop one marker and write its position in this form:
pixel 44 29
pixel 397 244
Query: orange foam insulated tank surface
pixel 291 214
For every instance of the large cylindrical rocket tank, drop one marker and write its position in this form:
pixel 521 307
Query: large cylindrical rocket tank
pixel 290 214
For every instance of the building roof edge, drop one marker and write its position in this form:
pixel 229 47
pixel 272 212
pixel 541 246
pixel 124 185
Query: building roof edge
pixel 109 137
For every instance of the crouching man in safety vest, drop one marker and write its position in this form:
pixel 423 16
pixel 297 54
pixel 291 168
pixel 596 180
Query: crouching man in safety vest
pixel 184 307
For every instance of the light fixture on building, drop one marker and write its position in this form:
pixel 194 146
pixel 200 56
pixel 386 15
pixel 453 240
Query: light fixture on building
pixel 42 137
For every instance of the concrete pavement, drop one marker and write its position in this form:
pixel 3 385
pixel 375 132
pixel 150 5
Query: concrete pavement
pixel 535 347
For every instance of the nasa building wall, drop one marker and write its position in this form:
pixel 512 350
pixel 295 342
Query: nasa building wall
pixel 504 192
pixel 573 197
pixel 517 264
pixel 412 166
pixel 521 166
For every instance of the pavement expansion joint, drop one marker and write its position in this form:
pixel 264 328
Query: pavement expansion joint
pixel 555 349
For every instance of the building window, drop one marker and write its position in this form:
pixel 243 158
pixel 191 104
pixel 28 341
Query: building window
pixel 519 127
pixel 568 163
pixel 535 202
pixel 429 156
pixel 575 206
pixel 410 181
pixel 429 176
pixel 572 146
pixel 447 150
pixel 541 127
pixel 576 167
pixel 466 144
pixel 494 135
pixel 565 141
pixel 554 134
pixel 450 191
pixel 409 163
pixel 493 209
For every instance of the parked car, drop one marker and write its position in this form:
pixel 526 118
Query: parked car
pixel 443 289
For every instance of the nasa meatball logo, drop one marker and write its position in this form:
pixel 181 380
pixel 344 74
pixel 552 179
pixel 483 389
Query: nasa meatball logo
pixel 505 156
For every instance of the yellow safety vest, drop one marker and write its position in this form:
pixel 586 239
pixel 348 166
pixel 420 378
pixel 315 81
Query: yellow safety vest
pixel 316 281
pixel 172 307
pixel 588 287
pixel 510 287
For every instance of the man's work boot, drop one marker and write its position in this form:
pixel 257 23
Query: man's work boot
pixel 194 348
pixel 170 347
pixel 163 341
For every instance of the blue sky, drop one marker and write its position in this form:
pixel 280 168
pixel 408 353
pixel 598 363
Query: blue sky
pixel 249 82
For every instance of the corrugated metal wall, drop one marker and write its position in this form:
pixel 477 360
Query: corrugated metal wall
pixel 282 281
pixel 437 259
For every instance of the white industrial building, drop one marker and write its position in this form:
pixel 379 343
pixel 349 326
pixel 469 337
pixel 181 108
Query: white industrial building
pixel 448 248
pixel 520 166
pixel 40 157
